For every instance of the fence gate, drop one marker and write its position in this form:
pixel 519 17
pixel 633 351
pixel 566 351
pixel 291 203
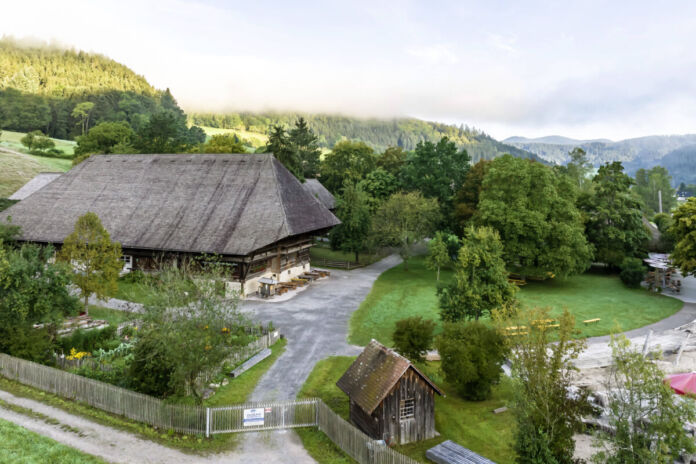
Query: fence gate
pixel 262 416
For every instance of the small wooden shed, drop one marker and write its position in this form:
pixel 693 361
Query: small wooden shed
pixel 390 399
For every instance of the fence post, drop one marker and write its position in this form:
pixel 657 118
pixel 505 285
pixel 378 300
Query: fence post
pixel 207 422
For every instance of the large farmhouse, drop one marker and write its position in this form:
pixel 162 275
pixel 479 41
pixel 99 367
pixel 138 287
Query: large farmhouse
pixel 248 210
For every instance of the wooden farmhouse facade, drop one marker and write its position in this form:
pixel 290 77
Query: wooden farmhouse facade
pixel 247 210
pixel 390 399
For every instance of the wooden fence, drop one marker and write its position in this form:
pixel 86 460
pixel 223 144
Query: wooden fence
pixel 348 265
pixel 198 420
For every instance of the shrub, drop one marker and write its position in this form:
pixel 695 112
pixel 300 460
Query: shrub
pixel 413 337
pixel 632 272
pixel 28 343
pixel 90 340
pixel 151 371
pixel 472 358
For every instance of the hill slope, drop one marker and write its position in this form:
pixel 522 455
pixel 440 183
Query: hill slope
pixel 41 86
pixel 636 153
pixel 378 133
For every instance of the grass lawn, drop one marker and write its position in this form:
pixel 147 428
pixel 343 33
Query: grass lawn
pixel 135 292
pixel 239 389
pixel 318 252
pixel 397 294
pixel 471 424
pixel 19 445
pixel 12 140
pixel 256 139
pixel 17 170
pixel 112 316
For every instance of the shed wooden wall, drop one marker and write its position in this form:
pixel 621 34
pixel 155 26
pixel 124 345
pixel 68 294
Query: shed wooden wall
pixel 385 423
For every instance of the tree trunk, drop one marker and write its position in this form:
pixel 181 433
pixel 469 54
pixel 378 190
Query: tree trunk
pixel 357 260
pixel 86 304
pixel 438 273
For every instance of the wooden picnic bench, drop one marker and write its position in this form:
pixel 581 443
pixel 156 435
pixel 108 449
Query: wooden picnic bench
pixel 592 321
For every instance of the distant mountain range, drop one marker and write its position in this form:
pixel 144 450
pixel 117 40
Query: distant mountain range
pixel 675 152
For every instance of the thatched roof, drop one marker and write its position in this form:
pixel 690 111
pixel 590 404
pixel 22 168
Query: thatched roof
pixel 39 181
pixel 373 375
pixel 217 203
pixel 315 188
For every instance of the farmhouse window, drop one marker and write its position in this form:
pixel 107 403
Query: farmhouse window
pixel 407 408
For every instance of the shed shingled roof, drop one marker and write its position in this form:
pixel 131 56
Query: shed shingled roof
pixel 38 182
pixel 373 375
pixel 229 204
pixel 317 189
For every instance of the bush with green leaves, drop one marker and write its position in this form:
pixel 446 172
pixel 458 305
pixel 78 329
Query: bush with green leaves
pixel 472 358
pixel 90 340
pixel 632 272
pixel 413 337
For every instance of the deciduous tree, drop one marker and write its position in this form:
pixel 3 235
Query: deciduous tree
pixel 190 327
pixel 404 220
pixel 353 209
pixel 646 417
pixel 82 113
pixel 684 232
pixel 436 170
pixel 438 252
pixel 472 358
pixel 95 258
pixel 480 282
pixel 347 161
pixel 223 143
pixel 106 138
pixel 533 209
pixel 614 222
pixel 413 337
pixel 648 185
pixel 467 197
pixel 547 415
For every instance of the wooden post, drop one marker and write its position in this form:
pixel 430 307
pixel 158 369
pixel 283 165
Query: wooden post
pixel 647 343
pixel 681 349
pixel 207 422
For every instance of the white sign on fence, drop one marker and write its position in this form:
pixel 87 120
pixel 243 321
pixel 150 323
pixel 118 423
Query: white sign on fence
pixel 253 417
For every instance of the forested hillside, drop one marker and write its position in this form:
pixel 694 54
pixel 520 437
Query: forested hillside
pixel 378 133
pixel 681 164
pixel 637 153
pixel 42 88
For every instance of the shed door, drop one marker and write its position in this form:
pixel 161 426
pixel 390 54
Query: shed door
pixel 407 420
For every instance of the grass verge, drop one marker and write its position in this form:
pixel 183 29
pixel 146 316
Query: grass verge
pixel 112 316
pixel 321 252
pixel 471 424
pixel 20 445
pixel 400 293
pixel 186 443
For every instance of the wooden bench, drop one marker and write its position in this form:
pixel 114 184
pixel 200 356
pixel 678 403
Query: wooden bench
pixel 517 282
pixel 514 330
pixel 591 321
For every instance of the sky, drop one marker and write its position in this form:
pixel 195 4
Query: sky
pixel 583 69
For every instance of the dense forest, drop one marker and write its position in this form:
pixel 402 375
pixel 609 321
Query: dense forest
pixel 65 92
pixel 378 133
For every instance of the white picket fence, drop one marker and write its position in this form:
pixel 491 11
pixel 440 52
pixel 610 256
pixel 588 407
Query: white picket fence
pixel 246 417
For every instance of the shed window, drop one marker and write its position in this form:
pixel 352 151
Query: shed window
pixel 407 408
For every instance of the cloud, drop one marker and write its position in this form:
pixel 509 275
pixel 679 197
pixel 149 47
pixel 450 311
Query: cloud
pixel 434 54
